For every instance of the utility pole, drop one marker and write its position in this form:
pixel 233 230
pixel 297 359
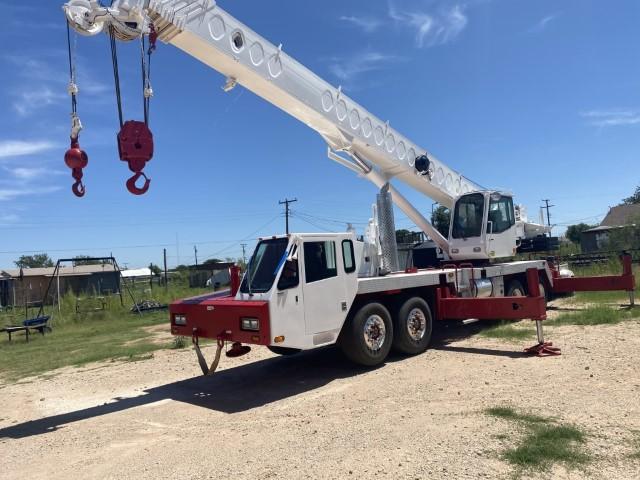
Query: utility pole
pixel 286 203
pixel 244 254
pixel 548 207
pixel 166 284
pixel 195 252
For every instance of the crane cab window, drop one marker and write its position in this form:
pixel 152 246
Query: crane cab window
pixel 348 256
pixel 501 214
pixel 467 218
pixel 319 261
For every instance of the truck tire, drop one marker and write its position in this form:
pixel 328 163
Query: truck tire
pixel 284 351
pixel 412 326
pixel 515 289
pixel 367 337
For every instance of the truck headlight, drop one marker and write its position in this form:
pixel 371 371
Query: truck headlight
pixel 180 320
pixel 252 324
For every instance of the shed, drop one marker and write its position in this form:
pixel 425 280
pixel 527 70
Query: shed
pixel 618 217
pixel 29 285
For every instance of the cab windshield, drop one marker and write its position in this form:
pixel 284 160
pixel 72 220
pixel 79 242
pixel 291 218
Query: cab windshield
pixel 467 218
pixel 263 267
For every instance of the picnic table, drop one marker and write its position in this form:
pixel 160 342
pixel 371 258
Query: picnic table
pixel 39 324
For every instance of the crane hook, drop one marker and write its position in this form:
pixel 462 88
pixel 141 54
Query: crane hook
pixel 78 188
pixel 76 159
pixel 133 188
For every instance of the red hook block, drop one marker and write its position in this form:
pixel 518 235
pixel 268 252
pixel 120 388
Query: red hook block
pixel 135 146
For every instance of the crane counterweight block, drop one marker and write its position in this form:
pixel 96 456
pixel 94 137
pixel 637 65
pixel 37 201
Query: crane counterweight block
pixel 135 146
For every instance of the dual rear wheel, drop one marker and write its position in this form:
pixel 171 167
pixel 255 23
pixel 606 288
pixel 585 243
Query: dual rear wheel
pixel 369 335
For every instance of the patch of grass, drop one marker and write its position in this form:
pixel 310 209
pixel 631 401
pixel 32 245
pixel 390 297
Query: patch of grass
pixel 117 337
pixel 548 444
pixel 507 331
pixel 78 339
pixel 510 414
pixel 544 444
pixel 595 315
pixel 179 342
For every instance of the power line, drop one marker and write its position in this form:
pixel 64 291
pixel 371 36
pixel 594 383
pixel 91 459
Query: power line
pixel 315 225
pixel 248 237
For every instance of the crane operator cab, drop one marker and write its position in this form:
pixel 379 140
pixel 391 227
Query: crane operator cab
pixel 483 226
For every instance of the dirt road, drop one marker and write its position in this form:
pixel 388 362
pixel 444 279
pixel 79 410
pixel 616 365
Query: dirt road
pixel 316 416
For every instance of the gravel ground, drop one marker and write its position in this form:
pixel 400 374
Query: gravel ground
pixel 316 416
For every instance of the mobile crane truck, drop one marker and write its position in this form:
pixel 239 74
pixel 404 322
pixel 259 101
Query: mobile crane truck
pixel 304 291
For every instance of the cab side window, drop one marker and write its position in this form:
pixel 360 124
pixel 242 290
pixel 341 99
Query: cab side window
pixel 319 261
pixel 348 256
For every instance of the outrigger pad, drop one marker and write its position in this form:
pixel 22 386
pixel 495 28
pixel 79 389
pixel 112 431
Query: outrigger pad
pixel 545 349
pixel 237 350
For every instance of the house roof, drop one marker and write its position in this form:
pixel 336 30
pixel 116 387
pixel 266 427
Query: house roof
pixel 137 272
pixel 601 228
pixel 78 271
pixel 622 215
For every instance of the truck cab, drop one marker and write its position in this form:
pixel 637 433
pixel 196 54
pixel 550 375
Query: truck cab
pixel 309 280
pixel 296 294
pixel 483 226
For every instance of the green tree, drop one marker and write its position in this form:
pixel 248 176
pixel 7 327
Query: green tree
pixel 574 232
pixel 39 260
pixel 440 219
pixel 633 199
pixel 155 269
pixel 84 260
pixel 402 235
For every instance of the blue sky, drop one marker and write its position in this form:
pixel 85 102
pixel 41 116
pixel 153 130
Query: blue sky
pixel 541 98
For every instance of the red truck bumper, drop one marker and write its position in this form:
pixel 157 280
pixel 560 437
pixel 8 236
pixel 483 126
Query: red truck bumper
pixel 219 316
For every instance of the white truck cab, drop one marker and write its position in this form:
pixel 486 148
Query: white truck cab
pixel 310 282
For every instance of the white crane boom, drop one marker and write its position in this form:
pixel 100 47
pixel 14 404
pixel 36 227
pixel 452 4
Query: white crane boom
pixel 205 31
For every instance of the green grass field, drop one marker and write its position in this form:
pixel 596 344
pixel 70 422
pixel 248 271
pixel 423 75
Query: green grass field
pixel 595 315
pixel 77 339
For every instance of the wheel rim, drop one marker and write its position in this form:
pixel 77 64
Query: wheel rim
pixel 543 292
pixel 375 332
pixel 416 324
pixel 517 292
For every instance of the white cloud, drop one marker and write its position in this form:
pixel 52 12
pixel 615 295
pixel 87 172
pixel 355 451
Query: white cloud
pixel 45 83
pixel 32 173
pixel 30 100
pixel 12 193
pixel 8 218
pixel 18 148
pixel 612 118
pixel 368 24
pixel 431 28
pixel 349 68
pixel 542 24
